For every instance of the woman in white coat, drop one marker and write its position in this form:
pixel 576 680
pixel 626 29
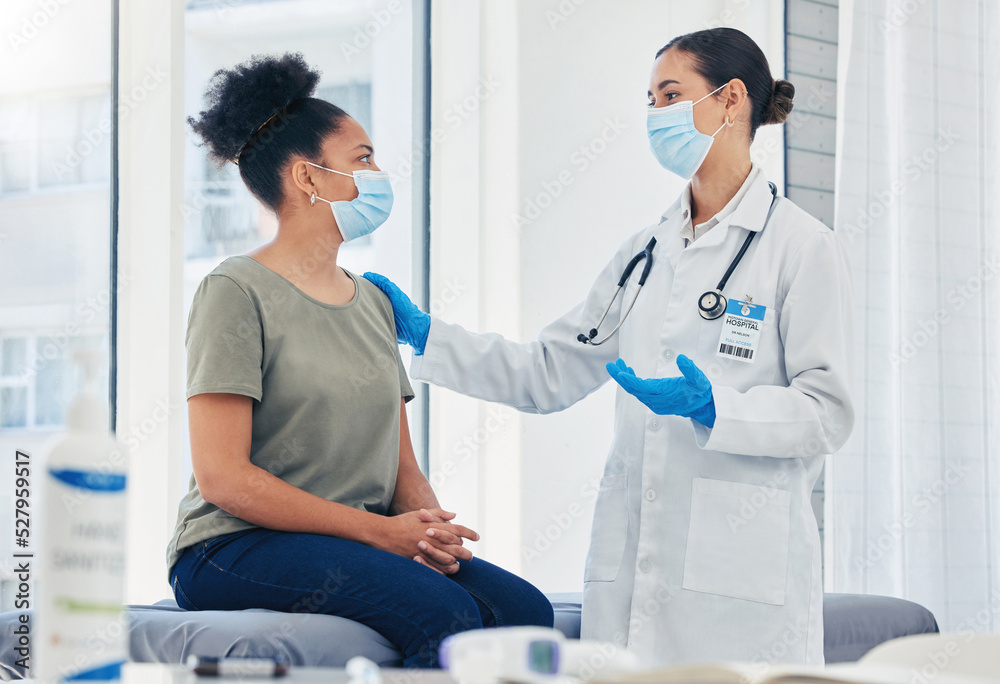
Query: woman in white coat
pixel 704 544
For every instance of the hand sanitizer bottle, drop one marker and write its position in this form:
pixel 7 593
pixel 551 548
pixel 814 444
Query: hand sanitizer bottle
pixel 82 634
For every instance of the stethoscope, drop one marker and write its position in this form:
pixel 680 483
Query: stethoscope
pixel 711 304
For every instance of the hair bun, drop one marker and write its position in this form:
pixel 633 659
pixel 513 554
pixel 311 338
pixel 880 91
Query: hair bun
pixel 780 105
pixel 242 98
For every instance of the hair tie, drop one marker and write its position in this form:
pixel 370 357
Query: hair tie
pixel 236 157
pixel 774 92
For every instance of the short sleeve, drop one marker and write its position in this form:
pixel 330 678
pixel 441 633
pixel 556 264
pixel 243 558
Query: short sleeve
pixel 405 389
pixel 224 340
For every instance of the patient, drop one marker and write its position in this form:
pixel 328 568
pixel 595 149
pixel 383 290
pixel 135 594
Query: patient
pixel 306 495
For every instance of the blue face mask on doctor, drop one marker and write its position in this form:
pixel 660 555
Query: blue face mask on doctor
pixel 366 212
pixel 674 140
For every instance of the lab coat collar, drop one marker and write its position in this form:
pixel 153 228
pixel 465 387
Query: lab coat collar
pixel 675 208
pixel 749 213
pixel 689 230
pixel 683 201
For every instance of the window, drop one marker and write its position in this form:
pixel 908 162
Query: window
pixel 13 385
pixel 38 379
pixel 56 133
pixel 16 148
pixel 57 141
pixel 55 221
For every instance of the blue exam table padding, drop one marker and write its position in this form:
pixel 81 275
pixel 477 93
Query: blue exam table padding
pixel 853 624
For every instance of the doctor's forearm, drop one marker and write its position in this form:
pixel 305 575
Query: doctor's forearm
pixel 781 422
pixel 548 374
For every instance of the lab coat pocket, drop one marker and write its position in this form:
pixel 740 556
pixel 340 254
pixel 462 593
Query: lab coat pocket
pixel 737 543
pixel 607 537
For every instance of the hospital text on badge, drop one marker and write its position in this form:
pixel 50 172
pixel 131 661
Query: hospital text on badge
pixel 740 331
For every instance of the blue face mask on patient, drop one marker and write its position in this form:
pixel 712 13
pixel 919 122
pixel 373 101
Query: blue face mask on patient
pixel 366 212
pixel 674 140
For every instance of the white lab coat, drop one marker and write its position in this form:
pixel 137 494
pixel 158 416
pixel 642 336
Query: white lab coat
pixel 704 544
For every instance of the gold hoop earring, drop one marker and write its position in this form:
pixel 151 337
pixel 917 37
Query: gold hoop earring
pixel 312 199
pixel 728 122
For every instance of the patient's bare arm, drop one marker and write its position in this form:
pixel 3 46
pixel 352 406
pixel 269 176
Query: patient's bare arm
pixel 220 427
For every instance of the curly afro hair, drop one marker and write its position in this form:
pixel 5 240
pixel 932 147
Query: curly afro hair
pixel 260 114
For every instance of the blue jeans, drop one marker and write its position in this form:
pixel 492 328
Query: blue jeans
pixel 412 606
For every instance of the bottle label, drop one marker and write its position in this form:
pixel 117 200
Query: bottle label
pixel 82 479
pixel 84 633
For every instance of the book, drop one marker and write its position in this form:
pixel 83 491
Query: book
pixel 956 658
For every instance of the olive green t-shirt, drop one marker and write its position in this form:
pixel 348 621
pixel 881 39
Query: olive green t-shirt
pixel 326 379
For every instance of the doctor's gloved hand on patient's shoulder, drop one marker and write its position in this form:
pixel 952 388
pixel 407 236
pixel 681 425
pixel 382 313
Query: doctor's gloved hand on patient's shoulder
pixel 689 395
pixel 412 324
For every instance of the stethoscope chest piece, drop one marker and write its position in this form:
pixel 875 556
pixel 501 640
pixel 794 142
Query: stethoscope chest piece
pixel 711 305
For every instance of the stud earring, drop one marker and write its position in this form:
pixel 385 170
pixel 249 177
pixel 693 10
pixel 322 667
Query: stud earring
pixel 312 199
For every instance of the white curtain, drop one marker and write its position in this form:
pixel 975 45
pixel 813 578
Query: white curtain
pixel 913 500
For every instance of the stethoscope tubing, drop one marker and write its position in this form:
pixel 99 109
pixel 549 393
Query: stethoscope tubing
pixel 712 304
pixel 647 255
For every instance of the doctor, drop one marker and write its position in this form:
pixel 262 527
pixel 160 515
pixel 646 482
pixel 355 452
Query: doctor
pixel 704 544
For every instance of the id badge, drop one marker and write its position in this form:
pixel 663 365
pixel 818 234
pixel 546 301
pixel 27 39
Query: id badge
pixel 740 330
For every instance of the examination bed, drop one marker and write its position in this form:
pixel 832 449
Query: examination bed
pixel 853 625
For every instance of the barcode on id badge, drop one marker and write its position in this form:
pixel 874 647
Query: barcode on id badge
pixel 738 352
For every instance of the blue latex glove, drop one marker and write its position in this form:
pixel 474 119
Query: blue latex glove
pixel 689 396
pixel 412 324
